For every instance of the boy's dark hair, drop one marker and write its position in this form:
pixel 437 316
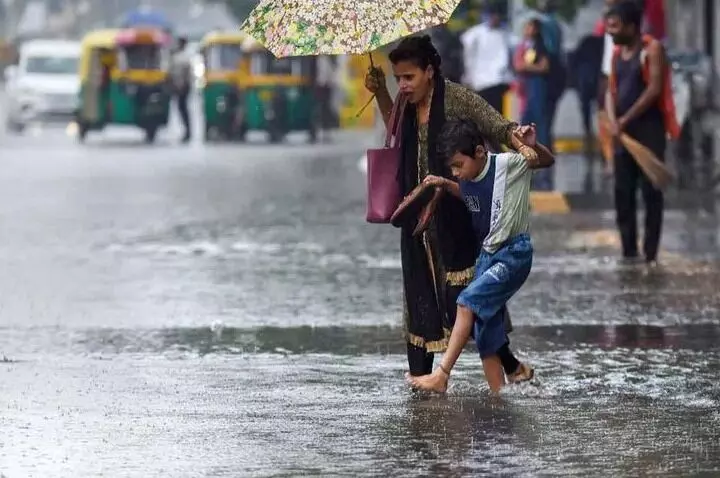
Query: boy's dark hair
pixel 419 50
pixel 628 11
pixel 461 136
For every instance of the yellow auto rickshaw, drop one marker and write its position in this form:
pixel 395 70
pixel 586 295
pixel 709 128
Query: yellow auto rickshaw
pixel 125 76
pixel 222 53
pixel 277 95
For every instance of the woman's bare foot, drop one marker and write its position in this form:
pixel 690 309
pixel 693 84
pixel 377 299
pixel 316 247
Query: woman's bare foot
pixel 524 373
pixel 435 382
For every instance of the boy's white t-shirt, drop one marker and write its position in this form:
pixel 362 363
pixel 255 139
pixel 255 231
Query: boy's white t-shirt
pixel 510 207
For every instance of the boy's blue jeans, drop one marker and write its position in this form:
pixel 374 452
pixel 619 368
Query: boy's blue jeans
pixel 498 277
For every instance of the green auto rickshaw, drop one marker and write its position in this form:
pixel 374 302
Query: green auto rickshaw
pixel 125 80
pixel 222 53
pixel 277 95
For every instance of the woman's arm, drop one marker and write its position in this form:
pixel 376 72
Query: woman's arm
pixel 542 66
pixel 518 61
pixel 375 83
pixel 545 158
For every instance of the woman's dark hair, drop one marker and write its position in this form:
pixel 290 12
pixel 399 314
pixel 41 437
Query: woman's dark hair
pixel 419 50
pixel 461 136
pixel 537 23
pixel 629 13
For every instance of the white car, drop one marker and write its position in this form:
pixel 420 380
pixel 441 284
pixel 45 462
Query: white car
pixel 44 85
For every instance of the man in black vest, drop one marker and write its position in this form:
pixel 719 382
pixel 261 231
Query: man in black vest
pixel 633 105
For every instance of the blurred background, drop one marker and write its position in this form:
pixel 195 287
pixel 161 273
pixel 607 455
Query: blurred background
pixel 687 27
pixel 189 286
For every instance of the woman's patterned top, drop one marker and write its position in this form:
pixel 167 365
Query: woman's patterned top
pixel 461 103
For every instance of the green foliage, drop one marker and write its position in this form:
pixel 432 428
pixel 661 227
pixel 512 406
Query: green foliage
pixel 567 9
pixel 241 8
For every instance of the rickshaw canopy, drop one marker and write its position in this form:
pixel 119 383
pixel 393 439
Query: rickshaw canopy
pixel 223 38
pixel 111 38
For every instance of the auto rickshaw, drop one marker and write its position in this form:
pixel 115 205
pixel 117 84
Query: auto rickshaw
pixel 221 54
pixel 125 77
pixel 277 95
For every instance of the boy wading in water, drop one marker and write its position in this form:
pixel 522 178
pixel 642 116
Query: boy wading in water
pixel 496 190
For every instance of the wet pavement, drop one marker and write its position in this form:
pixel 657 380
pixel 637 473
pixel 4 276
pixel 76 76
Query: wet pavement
pixel 226 311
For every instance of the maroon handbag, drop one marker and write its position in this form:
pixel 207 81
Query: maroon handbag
pixel 383 190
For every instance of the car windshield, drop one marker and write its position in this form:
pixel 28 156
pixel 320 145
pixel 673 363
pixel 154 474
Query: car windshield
pixel 52 65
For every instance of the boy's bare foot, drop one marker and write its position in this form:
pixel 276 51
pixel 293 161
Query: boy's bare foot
pixel 524 373
pixel 435 382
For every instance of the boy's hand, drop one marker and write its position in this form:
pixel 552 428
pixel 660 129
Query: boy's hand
pixel 435 181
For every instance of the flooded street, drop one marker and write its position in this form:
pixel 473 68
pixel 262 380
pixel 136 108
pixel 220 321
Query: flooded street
pixel 226 311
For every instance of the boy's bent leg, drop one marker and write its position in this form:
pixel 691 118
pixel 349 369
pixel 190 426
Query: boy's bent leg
pixel 437 381
pixel 492 367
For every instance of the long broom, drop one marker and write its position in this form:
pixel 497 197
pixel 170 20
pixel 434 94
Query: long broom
pixel 655 170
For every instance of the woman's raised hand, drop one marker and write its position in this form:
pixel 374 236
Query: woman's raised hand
pixel 375 80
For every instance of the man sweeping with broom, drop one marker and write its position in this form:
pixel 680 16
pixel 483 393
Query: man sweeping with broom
pixel 641 114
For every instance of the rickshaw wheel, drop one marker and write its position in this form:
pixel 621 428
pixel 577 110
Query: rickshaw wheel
pixel 82 132
pixel 240 134
pixel 276 135
pixel 150 134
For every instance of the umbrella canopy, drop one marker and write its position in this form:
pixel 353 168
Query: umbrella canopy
pixel 336 27
pixel 146 18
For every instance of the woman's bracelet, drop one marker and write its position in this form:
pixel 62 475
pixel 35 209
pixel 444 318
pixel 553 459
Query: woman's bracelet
pixel 445 371
pixel 529 153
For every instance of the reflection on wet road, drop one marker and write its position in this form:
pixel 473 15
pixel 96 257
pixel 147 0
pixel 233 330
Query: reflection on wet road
pixel 225 311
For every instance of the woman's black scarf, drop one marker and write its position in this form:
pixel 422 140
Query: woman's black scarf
pixel 456 242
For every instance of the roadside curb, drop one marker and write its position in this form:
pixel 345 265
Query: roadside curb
pixel 563 203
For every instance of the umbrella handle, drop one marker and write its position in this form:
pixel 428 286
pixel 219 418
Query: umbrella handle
pixel 372 65
pixel 365 107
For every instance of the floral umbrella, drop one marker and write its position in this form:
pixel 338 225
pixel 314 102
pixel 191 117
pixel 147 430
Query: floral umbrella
pixel 337 27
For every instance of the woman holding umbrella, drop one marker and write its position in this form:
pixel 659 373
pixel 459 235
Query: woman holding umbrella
pixel 438 264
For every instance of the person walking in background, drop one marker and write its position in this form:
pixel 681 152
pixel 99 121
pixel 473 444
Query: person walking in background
pixel 325 78
pixel 450 48
pixel 584 67
pixel 639 102
pixel 182 81
pixel 486 56
pixel 532 66
pixel 552 35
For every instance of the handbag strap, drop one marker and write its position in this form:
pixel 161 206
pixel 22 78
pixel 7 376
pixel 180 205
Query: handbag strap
pixel 394 129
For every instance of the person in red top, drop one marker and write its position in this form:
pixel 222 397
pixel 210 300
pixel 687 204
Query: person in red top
pixel 653 18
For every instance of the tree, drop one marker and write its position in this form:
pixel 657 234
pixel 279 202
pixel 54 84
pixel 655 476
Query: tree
pixel 240 8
